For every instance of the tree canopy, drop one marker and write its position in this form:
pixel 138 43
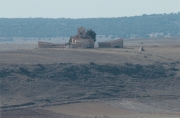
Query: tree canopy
pixel 92 34
pixel 124 27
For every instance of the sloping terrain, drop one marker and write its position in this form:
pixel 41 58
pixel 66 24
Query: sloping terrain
pixel 123 78
pixel 50 83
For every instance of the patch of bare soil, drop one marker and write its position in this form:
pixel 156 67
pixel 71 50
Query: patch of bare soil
pixel 113 109
pixel 33 113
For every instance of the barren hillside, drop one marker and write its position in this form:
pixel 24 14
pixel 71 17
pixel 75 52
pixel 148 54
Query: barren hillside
pixel 46 77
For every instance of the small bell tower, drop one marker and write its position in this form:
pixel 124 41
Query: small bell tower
pixel 81 32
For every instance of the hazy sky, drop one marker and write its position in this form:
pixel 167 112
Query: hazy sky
pixel 84 8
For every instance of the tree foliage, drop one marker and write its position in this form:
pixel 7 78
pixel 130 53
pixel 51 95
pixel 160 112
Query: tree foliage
pixel 70 40
pixel 125 27
pixel 91 34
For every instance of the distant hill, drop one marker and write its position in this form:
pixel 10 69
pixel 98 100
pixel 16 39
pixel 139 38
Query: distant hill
pixel 145 26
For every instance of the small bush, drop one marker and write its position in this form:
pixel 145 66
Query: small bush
pixel 92 63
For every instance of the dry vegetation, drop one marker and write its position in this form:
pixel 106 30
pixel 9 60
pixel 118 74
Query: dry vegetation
pixel 125 83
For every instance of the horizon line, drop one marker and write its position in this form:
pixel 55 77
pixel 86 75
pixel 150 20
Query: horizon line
pixel 90 17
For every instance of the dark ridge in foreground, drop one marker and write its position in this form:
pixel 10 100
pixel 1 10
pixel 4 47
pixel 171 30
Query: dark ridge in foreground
pixel 70 71
pixel 45 84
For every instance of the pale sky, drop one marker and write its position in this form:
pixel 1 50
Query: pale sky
pixel 85 8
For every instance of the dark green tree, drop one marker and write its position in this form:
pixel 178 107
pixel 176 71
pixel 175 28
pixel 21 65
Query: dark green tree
pixel 70 40
pixel 91 34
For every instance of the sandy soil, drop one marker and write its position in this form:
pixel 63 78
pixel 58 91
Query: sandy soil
pixel 92 109
pixel 33 113
pixel 102 109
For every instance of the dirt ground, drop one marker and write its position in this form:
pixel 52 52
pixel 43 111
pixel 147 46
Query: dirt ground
pixel 152 54
pixel 92 109
pixel 67 83
pixel 104 109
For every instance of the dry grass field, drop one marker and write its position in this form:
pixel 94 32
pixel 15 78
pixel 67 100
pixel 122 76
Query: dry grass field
pixel 108 83
pixel 153 54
